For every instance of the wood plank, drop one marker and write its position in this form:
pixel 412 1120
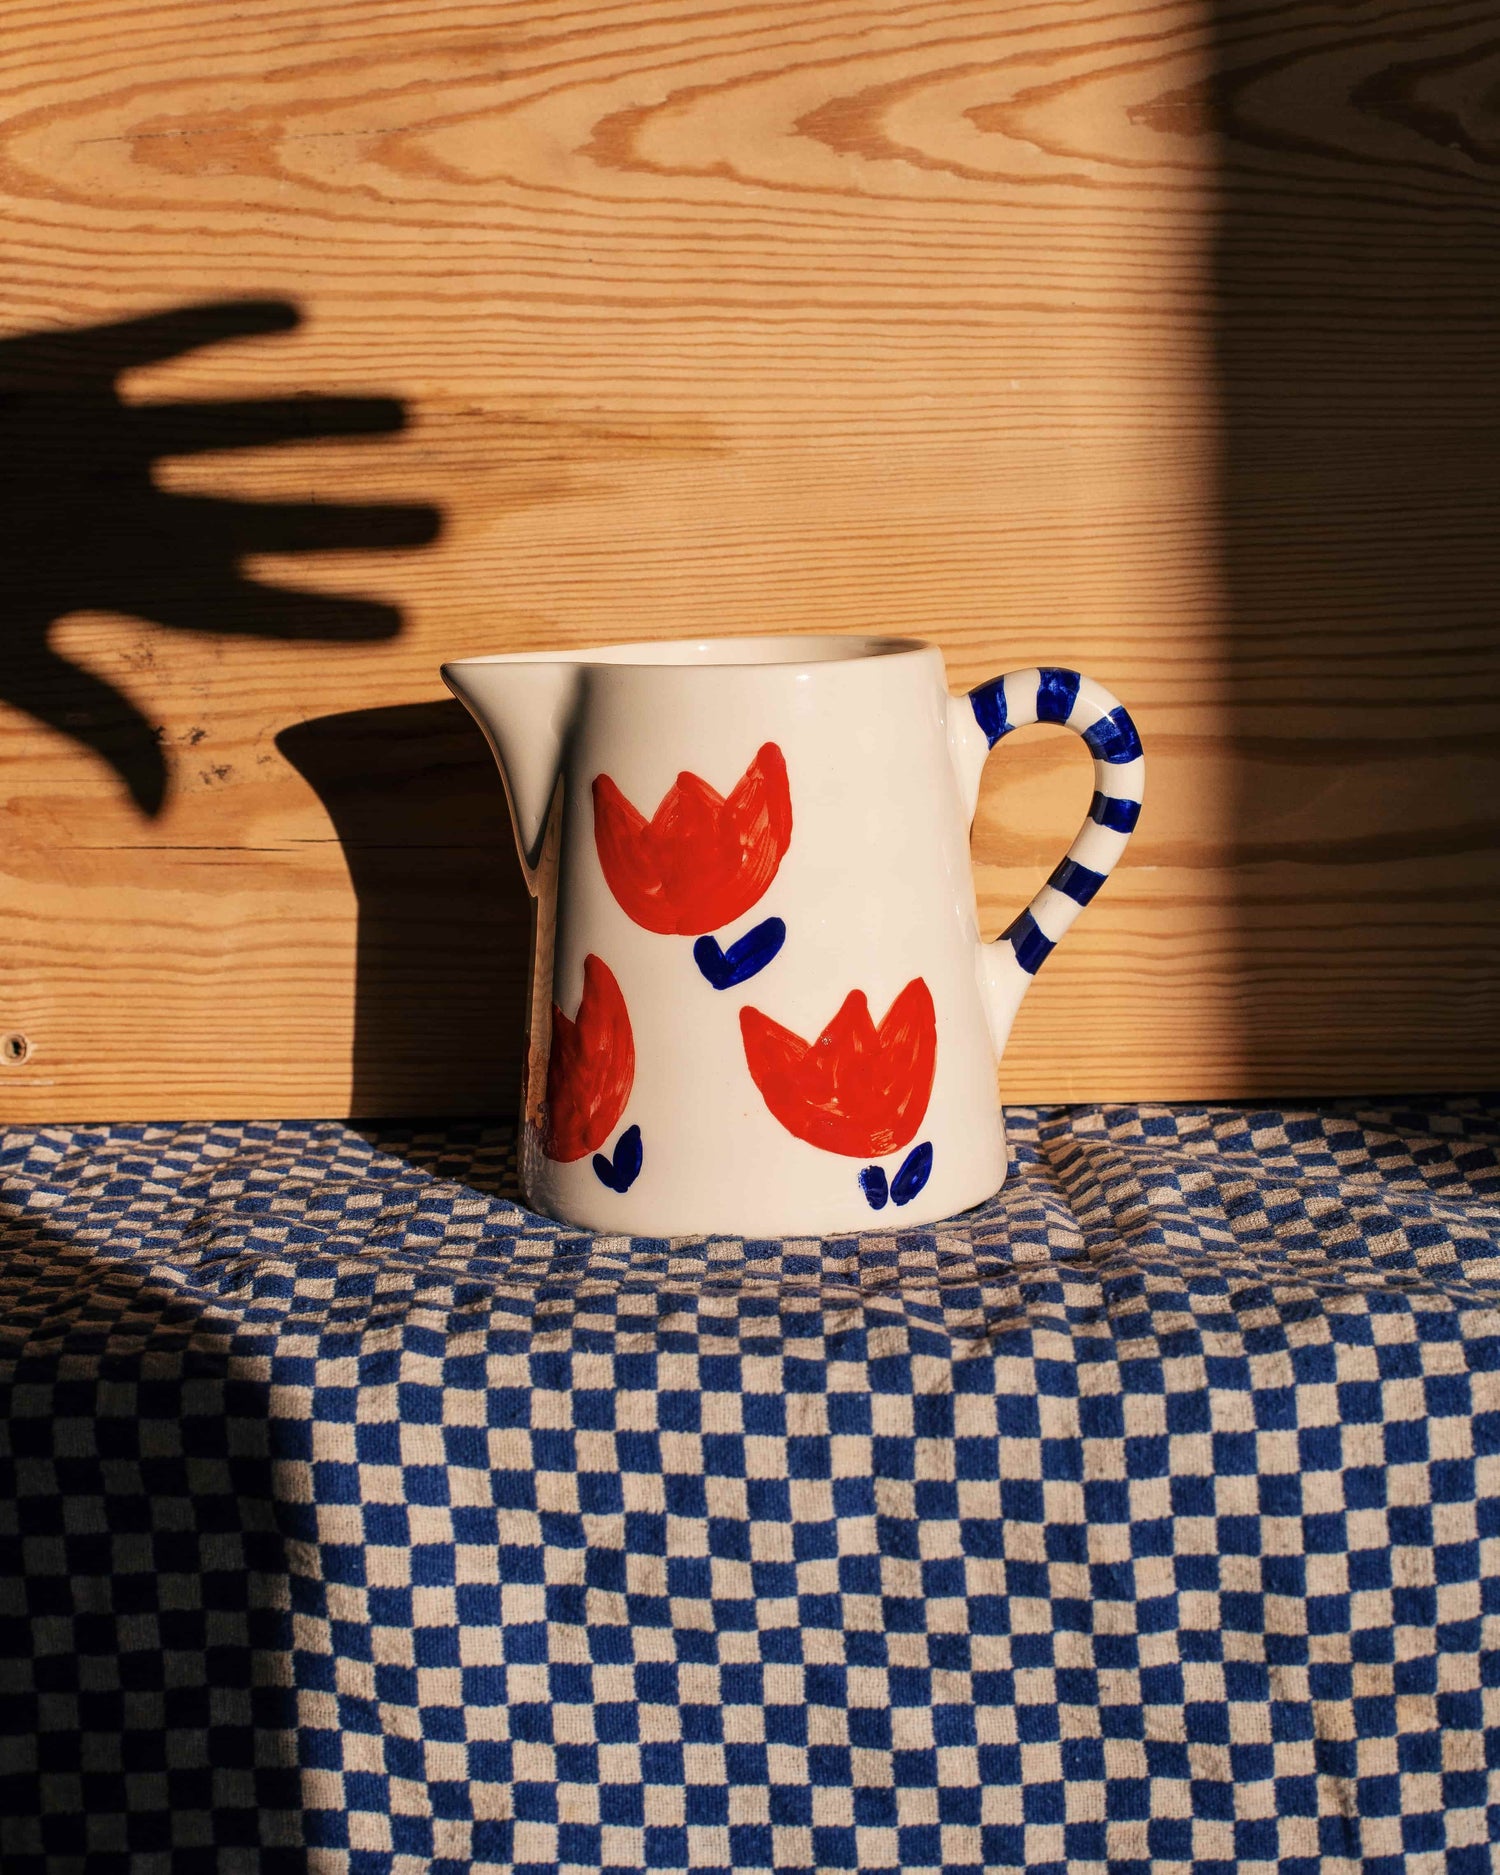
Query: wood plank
pixel 1150 338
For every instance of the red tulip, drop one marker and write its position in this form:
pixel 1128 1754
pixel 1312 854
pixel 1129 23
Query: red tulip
pixel 701 861
pixel 591 1067
pixel 857 1089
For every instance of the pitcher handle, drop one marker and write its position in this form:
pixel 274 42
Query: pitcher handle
pixel 1009 962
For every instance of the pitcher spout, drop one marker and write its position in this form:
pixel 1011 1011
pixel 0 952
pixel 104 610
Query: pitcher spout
pixel 525 707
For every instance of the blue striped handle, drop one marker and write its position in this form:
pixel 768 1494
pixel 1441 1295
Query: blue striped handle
pixel 1058 696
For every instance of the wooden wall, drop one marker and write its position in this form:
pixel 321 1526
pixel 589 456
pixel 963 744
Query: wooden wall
pixel 1156 338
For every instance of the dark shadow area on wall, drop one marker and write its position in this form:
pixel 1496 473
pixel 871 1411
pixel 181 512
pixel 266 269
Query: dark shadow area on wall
pixel 85 527
pixel 444 915
pixel 1357 273
pixel 148 1716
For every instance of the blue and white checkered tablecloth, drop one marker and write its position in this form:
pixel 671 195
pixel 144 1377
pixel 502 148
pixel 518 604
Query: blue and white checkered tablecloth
pixel 1146 1519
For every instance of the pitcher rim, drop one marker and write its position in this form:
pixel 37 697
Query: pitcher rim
pixel 770 651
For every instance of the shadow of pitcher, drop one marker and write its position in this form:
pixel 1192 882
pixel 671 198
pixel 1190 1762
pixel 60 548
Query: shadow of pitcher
pixel 444 916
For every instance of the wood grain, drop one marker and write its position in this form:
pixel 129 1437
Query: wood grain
pixel 1158 339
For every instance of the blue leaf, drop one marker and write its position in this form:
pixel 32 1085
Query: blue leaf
pixel 745 958
pixel 621 1172
pixel 916 1169
pixel 872 1183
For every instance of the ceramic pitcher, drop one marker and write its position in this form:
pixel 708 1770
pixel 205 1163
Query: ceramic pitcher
pixel 760 1001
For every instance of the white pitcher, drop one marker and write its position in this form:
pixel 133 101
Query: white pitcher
pixel 760 1001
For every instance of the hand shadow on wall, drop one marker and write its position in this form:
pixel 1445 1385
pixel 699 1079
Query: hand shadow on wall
pixel 444 931
pixel 84 526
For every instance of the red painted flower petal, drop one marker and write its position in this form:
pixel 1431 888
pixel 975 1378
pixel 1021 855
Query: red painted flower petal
pixel 856 1090
pixel 701 861
pixel 591 1067
pixel 628 860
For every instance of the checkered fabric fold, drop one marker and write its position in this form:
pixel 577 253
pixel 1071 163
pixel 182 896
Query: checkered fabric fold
pixel 1146 1519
